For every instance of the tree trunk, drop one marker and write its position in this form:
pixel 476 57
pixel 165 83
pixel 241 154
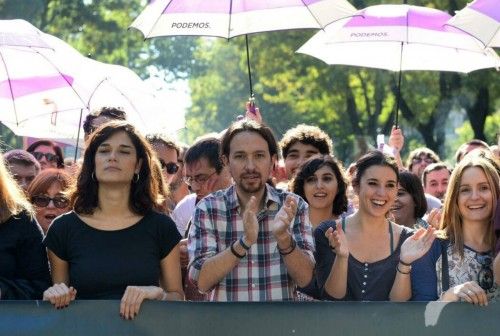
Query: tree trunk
pixel 478 112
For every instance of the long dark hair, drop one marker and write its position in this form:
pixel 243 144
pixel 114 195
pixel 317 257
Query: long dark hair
pixel 308 169
pixel 145 192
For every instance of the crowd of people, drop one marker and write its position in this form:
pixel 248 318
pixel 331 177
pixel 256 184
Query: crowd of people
pixel 225 219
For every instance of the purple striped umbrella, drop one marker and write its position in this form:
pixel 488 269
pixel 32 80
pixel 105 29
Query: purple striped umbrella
pixel 47 87
pixel 230 18
pixel 481 19
pixel 397 38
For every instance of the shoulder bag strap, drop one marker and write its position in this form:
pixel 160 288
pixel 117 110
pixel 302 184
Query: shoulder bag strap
pixel 445 275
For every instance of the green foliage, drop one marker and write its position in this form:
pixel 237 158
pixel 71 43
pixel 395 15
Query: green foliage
pixel 351 104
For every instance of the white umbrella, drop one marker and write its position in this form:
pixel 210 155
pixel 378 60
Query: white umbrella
pixel 398 38
pixel 47 87
pixel 481 19
pixel 230 18
pixel 34 73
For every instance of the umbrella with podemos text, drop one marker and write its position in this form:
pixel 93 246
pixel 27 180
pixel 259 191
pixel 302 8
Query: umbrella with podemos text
pixel 230 18
pixel 400 38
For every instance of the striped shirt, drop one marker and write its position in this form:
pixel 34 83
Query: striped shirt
pixel 262 274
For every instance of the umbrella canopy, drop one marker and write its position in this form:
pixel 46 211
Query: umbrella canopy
pixel 47 87
pixel 121 87
pixel 481 19
pixel 400 37
pixel 230 18
pixel 35 74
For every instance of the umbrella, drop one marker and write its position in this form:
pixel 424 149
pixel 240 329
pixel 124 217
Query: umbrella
pixel 398 38
pixel 230 18
pixel 481 19
pixel 47 87
pixel 33 71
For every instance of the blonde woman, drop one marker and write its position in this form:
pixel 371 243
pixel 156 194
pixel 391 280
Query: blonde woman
pixel 459 266
pixel 24 272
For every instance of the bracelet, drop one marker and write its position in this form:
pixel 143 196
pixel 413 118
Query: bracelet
pixel 397 268
pixel 288 250
pixel 403 263
pixel 242 243
pixel 233 251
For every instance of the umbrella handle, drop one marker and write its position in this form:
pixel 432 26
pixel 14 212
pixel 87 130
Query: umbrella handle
pixel 248 67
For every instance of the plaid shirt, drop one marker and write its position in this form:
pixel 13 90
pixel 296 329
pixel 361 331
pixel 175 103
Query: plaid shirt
pixel 262 274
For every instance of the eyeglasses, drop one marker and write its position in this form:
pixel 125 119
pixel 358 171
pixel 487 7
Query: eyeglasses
pixel 49 156
pixel 198 179
pixel 485 274
pixel 43 201
pixel 419 159
pixel 170 167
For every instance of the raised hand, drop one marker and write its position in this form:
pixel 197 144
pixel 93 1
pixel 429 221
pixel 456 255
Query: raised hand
pixel 284 217
pixel 396 139
pixel 60 295
pixel 134 296
pixel 338 241
pixel 253 112
pixel 434 218
pixel 416 246
pixel 250 223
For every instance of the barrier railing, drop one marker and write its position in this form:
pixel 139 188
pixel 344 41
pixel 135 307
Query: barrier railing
pixel 300 318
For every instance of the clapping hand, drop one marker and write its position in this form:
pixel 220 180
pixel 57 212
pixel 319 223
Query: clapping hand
pixel 434 218
pixel 417 245
pixel 60 295
pixel 284 217
pixel 338 241
pixel 250 223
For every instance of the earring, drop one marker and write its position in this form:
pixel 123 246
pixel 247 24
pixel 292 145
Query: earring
pixel 93 177
pixel 136 178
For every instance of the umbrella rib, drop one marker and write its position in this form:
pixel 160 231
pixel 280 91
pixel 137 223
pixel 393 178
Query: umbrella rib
pixel 314 16
pixel 10 86
pixel 157 19
pixel 62 75
pixel 466 32
pixel 129 100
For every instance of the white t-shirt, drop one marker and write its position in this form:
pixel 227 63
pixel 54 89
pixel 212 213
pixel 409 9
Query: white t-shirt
pixel 183 212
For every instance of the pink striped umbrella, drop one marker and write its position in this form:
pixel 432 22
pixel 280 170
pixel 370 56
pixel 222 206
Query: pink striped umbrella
pixel 481 19
pixel 34 71
pixel 397 38
pixel 230 18
pixel 47 87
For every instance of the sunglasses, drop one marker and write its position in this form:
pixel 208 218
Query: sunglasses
pixel 426 160
pixel 170 168
pixel 485 274
pixel 49 156
pixel 43 201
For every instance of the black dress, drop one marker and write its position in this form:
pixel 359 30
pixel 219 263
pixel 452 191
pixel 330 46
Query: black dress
pixel 103 263
pixel 24 270
pixel 365 281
